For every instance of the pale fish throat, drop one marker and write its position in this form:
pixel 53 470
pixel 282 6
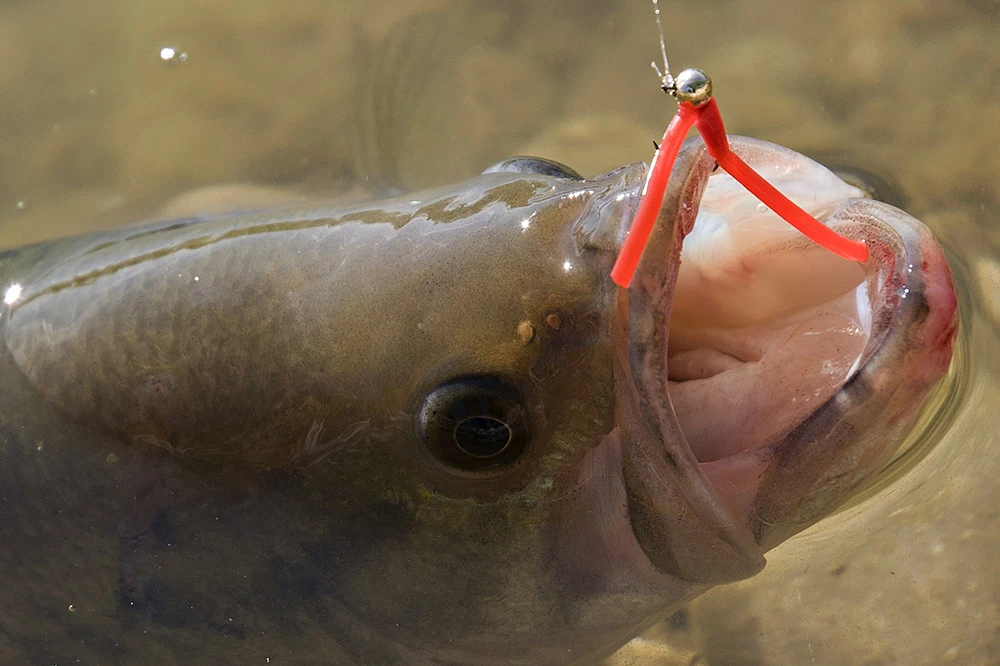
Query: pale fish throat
pixel 765 327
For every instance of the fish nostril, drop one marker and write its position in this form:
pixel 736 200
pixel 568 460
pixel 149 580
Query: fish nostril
pixel 482 436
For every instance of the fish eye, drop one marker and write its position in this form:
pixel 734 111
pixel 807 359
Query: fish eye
pixel 474 423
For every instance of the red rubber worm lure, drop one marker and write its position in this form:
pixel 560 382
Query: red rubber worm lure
pixel 697 107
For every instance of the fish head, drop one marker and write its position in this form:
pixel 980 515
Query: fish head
pixel 516 372
pixel 380 414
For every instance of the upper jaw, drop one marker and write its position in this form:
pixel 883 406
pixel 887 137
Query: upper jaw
pixel 677 514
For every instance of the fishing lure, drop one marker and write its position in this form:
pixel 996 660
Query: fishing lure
pixel 692 89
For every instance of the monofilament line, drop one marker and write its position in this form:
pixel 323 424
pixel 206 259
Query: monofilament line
pixel 666 79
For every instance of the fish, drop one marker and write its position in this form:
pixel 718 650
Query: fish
pixel 430 429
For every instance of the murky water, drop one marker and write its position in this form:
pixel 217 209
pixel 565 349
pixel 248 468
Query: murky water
pixel 101 126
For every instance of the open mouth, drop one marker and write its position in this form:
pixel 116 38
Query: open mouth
pixel 791 375
pixel 765 325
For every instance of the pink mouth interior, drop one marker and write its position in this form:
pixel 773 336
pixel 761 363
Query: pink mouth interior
pixel 765 328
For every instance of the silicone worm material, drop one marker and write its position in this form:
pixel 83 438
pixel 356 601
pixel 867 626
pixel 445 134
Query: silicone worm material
pixel 652 195
pixel 713 133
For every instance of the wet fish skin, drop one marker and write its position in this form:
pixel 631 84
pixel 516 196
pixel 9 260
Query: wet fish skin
pixel 255 486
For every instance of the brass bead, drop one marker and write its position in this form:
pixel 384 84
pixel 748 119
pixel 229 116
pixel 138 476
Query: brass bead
pixel 693 86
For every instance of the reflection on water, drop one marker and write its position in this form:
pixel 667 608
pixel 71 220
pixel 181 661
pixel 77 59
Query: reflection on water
pixel 110 110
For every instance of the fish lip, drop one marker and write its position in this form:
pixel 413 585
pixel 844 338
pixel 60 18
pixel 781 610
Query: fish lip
pixel 664 481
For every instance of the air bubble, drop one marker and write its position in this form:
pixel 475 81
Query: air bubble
pixel 172 55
